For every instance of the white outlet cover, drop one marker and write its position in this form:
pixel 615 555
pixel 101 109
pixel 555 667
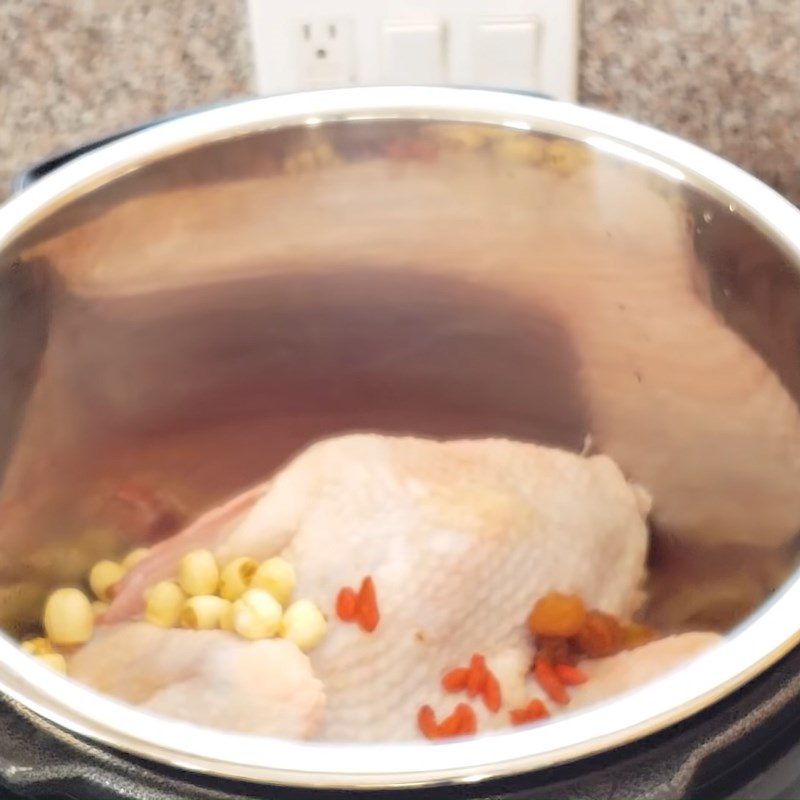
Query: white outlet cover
pixel 326 53
pixel 281 64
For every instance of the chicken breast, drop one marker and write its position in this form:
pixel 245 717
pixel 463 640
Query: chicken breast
pixel 460 538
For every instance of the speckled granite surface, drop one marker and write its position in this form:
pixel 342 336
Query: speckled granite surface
pixel 71 70
pixel 723 73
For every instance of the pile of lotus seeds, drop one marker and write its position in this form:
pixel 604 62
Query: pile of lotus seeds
pixel 242 597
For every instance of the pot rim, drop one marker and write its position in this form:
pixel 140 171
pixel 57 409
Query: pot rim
pixel 743 654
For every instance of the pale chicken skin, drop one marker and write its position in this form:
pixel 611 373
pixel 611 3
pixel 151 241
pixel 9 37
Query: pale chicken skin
pixel 208 677
pixel 461 538
pixel 631 668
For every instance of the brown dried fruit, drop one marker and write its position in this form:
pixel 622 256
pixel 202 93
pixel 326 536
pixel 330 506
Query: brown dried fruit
pixel 557 615
pixel 600 636
pixel 636 634
pixel 554 649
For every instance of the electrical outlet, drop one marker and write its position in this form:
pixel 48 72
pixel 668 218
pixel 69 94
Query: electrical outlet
pixel 515 44
pixel 325 53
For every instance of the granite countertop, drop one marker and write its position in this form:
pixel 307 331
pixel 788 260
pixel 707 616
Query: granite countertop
pixel 724 74
pixel 73 70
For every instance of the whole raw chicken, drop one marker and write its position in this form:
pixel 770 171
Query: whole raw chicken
pixel 460 538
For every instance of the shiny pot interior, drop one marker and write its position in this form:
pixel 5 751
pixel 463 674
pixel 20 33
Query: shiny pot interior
pixel 191 305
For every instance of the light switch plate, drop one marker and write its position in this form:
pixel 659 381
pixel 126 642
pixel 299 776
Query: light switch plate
pixel 506 51
pixel 374 40
pixel 413 51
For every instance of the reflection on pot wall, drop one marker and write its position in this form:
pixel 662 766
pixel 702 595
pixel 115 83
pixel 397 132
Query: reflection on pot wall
pixel 724 73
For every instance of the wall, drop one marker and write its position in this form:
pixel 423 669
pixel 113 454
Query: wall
pixel 723 73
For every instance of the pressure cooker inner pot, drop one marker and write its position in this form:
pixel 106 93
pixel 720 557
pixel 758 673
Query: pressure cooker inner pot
pixel 178 333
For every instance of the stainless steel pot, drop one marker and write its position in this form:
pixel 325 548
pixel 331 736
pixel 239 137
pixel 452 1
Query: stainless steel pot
pixel 197 300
